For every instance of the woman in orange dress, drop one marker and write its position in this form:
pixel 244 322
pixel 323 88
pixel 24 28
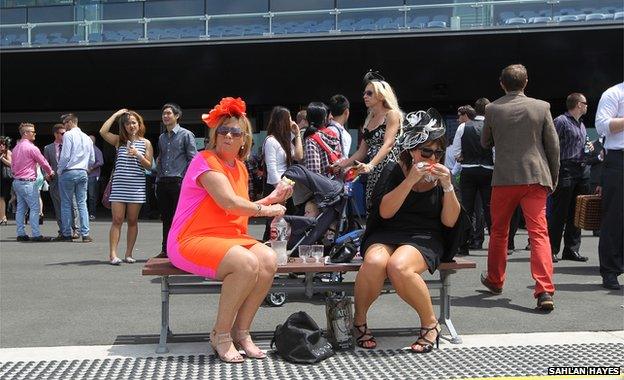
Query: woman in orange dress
pixel 208 236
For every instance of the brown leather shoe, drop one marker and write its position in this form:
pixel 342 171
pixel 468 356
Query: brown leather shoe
pixel 493 289
pixel 161 255
pixel 545 301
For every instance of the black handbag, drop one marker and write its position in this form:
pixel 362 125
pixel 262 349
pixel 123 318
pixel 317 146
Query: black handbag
pixel 299 340
pixel 344 252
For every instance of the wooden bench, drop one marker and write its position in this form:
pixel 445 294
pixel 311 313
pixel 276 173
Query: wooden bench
pixel 187 283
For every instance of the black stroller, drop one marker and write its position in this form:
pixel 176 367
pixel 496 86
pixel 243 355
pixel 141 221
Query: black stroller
pixel 337 215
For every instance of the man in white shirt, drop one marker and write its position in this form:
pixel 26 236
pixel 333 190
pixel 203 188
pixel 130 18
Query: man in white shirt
pixel 75 159
pixel 339 109
pixel 610 123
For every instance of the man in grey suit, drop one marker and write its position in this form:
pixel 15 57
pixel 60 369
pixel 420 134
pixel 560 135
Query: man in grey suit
pixel 51 152
pixel 525 172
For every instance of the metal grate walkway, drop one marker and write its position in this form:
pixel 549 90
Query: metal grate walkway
pixel 452 363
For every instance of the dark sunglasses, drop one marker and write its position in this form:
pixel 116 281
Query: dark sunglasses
pixel 368 93
pixel 428 152
pixel 234 131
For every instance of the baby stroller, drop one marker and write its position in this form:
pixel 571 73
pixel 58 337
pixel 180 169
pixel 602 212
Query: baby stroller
pixel 336 218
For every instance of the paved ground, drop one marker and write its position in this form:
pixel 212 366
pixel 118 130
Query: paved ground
pixel 66 294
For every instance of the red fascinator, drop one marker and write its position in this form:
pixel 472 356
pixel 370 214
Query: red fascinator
pixel 229 106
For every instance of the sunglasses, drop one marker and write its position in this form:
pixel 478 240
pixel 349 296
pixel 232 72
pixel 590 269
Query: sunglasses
pixel 234 131
pixel 428 152
pixel 368 93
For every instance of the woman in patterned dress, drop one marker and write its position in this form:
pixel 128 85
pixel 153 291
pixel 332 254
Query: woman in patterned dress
pixel 209 234
pixel 381 129
pixel 134 156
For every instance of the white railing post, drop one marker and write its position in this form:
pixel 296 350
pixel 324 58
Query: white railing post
pixel 206 27
pixel 335 12
pixel 144 21
pixel 28 28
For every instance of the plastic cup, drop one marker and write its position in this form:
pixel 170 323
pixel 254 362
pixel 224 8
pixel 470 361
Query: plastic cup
pixel 317 253
pixel 305 252
pixel 279 246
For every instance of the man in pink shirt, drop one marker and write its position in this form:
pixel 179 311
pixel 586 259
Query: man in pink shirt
pixel 26 156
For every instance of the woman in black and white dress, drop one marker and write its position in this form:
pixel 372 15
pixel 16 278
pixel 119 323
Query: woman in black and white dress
pixel 134 156
pixel 380 132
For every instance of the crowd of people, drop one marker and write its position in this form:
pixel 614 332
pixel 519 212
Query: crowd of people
pixel 508 158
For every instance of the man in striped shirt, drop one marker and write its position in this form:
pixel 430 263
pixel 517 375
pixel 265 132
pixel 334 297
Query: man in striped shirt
pixel 573 179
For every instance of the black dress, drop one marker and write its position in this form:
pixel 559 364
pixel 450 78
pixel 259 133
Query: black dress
pixel 416 223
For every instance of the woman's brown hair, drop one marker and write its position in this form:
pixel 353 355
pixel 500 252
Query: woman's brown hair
pixel 125 119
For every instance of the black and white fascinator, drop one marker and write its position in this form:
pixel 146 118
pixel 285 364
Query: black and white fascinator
pixel 420 127
pixel 371 76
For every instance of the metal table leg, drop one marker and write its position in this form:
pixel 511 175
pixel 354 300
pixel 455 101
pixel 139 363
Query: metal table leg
pixel 445 307
pixel 164 316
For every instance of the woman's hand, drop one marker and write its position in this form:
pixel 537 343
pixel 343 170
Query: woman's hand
pixel 294 127
pixel 132 151
pixel 442 173
pixel 273 210
pixel 282 192
pixel 417 171
pixel 120 112
pixel 363 168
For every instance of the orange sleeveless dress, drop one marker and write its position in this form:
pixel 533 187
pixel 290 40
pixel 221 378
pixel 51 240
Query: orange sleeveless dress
pixel 202 232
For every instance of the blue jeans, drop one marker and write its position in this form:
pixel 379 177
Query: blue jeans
pixel 74 183
pixel 27 198
pixel 93 190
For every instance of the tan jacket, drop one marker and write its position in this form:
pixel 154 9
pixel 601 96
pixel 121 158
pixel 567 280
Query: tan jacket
pixel 527 147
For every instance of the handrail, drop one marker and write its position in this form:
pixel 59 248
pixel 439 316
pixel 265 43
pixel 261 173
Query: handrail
pixel 271 15
pixel 399 8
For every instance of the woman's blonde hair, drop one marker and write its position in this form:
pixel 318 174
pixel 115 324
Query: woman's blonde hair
pixel 390 102
pixel 245 125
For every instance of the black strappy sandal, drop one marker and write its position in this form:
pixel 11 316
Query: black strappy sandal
pixel 364 331
pixel 426 344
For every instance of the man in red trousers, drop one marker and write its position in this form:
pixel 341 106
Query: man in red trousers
pixel 525 171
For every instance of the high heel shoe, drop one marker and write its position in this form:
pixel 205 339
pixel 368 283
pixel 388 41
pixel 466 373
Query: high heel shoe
pixel 222 339
pixel 241 335
pixel 426 344
pixel 365 339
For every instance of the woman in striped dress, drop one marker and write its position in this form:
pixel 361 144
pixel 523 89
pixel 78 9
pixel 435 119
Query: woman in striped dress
pixel 134 156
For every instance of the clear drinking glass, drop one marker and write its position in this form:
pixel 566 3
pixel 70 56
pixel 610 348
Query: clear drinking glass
pixel 317 253
pixel 305 252
pixel 279 246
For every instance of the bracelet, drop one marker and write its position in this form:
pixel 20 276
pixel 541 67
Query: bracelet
pixel 258 210
pixel 448 189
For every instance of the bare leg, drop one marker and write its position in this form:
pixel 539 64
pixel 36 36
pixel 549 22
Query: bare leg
pixel 118 210
pixel 239 272
pixel 2 209
pixel 132 220
pixel 267 268
pixel 404 270
pixel 368 284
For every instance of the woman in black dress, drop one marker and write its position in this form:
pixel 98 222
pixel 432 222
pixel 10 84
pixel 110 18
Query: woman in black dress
pixel 412 205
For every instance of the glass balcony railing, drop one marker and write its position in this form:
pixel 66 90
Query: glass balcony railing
pixel 121 23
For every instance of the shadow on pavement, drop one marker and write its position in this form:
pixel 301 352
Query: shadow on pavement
pixel 597 287
pixel 481 300
pixel 518 260
pixel 81 263
pixel 579 270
